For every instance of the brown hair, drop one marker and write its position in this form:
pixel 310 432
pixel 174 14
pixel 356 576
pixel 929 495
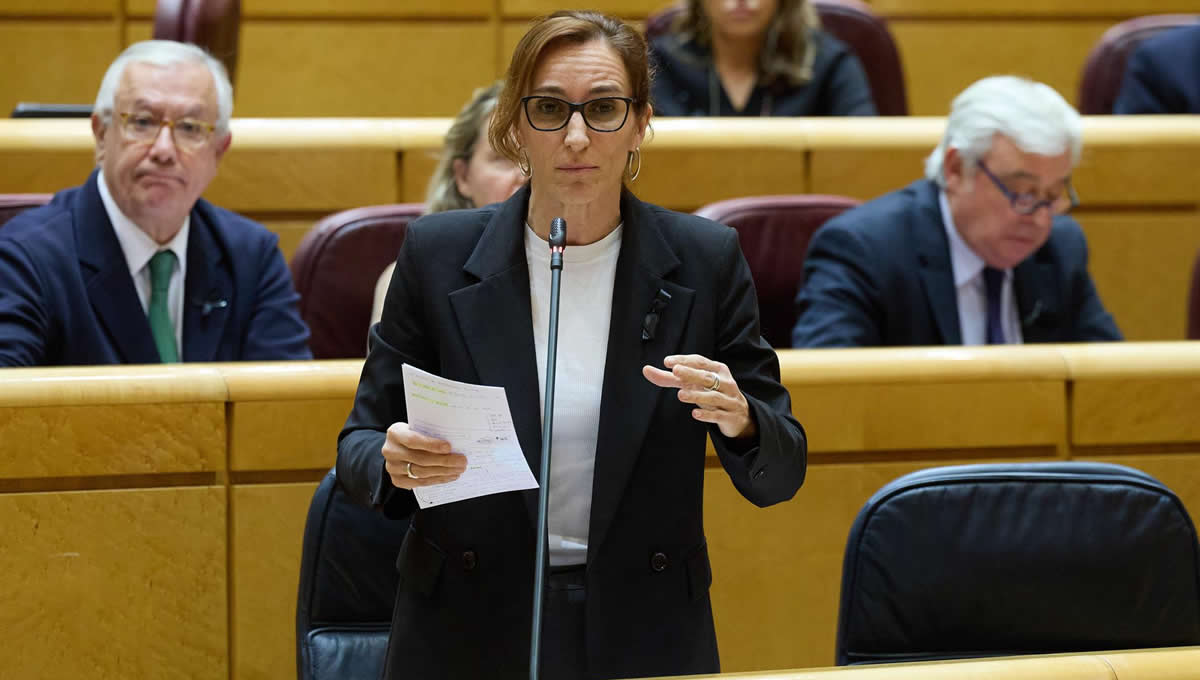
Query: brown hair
pixel 567 26
pixel 788 53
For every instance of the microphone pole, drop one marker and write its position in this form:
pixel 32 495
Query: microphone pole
pixel 558 243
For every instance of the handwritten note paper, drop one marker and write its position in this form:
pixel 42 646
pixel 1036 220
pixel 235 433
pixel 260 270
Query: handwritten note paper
pixel 476 421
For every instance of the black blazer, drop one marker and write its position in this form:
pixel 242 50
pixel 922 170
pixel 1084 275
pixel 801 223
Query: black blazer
pixel 684 83
pixel 1163 75
pixel 66 296
pixel 459 306
pixel 880 274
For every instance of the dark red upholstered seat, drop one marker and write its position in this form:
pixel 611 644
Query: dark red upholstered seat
pixel 1193 319
pixel 211 24
pixel 774 232
pixel 852 22
pixel 1105 66
pixel 335 269
pixel 12 205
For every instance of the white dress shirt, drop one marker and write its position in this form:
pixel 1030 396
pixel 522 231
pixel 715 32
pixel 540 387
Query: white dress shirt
pixel 972 293
pixel 139 248
pixel 585 301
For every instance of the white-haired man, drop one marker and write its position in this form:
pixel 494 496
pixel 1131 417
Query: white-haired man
pixel 133 266
pixel 980 252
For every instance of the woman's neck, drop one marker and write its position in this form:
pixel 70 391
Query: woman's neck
pixel 586 222
pixel 735 55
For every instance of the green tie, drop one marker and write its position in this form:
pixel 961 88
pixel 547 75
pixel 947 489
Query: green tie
pixel 161 267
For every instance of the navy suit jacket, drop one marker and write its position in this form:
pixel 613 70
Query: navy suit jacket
pixel 880 274
pixel 67 298
pixel 1163 75
pixel 459 306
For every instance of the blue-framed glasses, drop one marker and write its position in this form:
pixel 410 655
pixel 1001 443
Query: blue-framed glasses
pixel 1028 203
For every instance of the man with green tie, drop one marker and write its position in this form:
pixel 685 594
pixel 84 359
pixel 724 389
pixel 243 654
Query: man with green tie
pixel 133 266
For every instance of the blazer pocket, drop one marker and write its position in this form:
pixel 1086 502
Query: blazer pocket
pixel 419 564
pixel 699 572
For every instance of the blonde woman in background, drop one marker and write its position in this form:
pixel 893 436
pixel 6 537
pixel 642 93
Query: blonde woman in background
pixel 469 174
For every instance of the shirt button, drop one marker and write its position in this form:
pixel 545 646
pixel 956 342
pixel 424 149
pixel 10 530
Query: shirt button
pixel 469 560
pixel 659 561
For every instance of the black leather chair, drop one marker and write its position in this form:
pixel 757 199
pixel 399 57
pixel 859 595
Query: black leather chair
pixel 1002 559
pixel 348 584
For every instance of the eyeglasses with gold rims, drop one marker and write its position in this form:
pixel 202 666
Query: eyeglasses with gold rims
pixel 1028 203
pixel 189 134
pixel 603 114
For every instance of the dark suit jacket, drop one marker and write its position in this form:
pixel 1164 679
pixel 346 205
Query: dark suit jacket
pixel 66 296
pixel 880 274
pixel 1163 75
pixel 838 87
pixel 459 306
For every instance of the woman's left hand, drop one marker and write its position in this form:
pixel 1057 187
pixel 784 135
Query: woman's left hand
pixel 710 386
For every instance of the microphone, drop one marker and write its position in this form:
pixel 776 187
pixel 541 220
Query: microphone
pixel 558 243
pixel 650 323
pixel 214 301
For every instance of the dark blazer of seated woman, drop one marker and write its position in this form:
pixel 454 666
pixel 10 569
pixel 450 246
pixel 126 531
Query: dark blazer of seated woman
pixel 686 83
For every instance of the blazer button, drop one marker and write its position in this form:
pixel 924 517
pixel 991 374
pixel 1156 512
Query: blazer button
pixel 659 561
pixel 469 560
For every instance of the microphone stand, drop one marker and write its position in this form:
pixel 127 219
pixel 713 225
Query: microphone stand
pixel 558 242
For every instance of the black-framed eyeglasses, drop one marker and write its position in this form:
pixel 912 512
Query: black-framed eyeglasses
pixel 603 114
pixel 1028 203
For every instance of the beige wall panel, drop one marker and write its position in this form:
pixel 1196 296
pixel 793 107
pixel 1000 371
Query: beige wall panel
pixel 1082 8
pixel 54 62
pixel 378 68
pixel 366 8
pixel 145 8
pixel 685 179
pixel 942 57
pixel 266 531
pixel 867 417
pixel 865 173
pixel 1177 471
pixel 308 180
pixel 1142 266
pixel 143 29
pixel 286 435
pixel 417 167
pixel 122 439
pixel 623 8
pixel 777 571
pixel 43 172
pixel 290 232
pixel 1135 411
pixel 1138 175
pixel 59 8
pixel 114 584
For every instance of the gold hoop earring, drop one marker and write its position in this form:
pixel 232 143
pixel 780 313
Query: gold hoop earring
pixel 633 174
pixel 523 163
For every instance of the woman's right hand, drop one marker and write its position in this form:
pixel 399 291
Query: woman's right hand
pixel 413 459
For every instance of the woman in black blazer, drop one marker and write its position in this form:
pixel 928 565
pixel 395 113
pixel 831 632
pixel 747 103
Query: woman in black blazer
pixel 659 349
pixel 756 58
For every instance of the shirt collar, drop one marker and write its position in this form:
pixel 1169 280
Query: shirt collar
pixel 136 244
pixel 965 263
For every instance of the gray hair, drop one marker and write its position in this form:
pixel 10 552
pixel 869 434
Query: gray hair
pixel 165 53
pixel 1032 115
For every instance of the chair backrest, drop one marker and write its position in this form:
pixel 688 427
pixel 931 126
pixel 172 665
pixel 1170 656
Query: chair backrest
pixel 1023 558
pixel 348 583
pixel 1193 318
pixel 211 24
pixel 852 22
pixel 335 269
pixel 1105 65
pixel 12 205
pixel 774 232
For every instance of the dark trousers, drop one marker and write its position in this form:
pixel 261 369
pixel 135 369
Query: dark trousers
pixel 564 654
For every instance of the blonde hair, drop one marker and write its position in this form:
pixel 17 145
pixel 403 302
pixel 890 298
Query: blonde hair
pixel 788 52
pixel 466 132
pixel 567 26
